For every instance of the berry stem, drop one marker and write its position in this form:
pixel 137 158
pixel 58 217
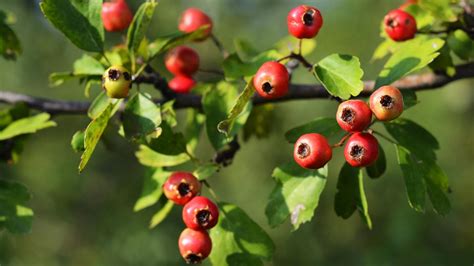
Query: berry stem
pixel 300 45
pixel 341 142
pixel 298 57
pixel 219 46
pixel 211 191
pixel 106 59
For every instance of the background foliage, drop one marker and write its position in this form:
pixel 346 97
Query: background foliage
pixel 88 219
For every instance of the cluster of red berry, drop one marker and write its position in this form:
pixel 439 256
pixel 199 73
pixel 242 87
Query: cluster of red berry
pixel 183 61
pixel 199 214
pixel 312 151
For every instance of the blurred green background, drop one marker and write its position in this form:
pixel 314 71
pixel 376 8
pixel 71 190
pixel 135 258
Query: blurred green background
pixel 87 219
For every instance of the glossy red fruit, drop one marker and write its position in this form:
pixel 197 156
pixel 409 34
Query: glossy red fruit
pixel 362 149
pixel 353 115
pixel 116 15
pixel 304 22
pixel 181 84
pixel 386 103
pixel 200 213
pixel 181 187
pixel 271 80
pixel 399 25
pixel 182 60
pixel 312 151
pixel 194 246
pixel 194 18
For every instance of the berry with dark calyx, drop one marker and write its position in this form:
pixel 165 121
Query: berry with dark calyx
pixel 116 15
pixel 353 115
pixel 200 213
pixel 386 103
pixel 271 80
pixel 304 22
pixel 181 187
pixel 182 60
pixel 181 84
pixel 194 18
pixel 194 245
pixel 116 82
pixel 362 149
pixel 312 151
pixel 400 25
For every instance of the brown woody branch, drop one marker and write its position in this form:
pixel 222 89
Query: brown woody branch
pixel 419 82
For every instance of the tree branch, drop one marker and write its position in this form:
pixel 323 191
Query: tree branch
pixel 419 82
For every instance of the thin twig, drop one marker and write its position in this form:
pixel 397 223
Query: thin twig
pixel 219 46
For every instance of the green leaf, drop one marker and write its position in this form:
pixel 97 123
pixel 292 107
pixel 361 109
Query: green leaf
pixel 100 104
pixel 378 168
pixel 27 125
pixel 73 24
pixel 10 47
pixel 235 68
pixel 241 109
pixel 341 75
pixel 413 137
pixel 14 216
pixel 296 194
pixel 139 26
pixel 238 239
pixel 351 195
pixel 290 44
pixel 192 132
pixel 413 175
pixel 440 9
pixel 409 99
pixel 259 122
pixel 411 56
pixel 93 133
pixel 437 187
pixel 141 116
pixel 161 214
pixel 461 44
pixel 149 157
pixel 166 43
pixel 77 142
pixel 217 102
pixel 245 49
pixel 206 170
pixel 168 113
pixel 424 18
pixel 444 61
pixel 325 126
pixel 88 66
pixel 383 49
pixel 151 191
pixel 91 9
pixel 169 142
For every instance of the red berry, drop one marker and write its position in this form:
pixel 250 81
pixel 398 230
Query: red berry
pixel 304 22
pixel 386 103
pixel 182 60
pixel 192 19
pixel 312 151
pixel 116 15
pixel 181 84
pixel 181 187
pixel 362 149
pixel 353 115
pixel 194 246
pixel 399 25
pixel 200 213
pixel 271 80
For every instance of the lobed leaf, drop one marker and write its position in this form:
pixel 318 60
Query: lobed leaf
pixel 149 157
pixel 152 188
pixel 161 214
pixel 139 26
pixel 14 216
pixel 341 75
pixel 296 194
pixel 141 116
pixel 378 168
pixel 27 125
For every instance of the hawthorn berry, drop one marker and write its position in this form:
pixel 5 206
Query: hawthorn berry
pixel 194 245
pixel 116 81
pixel 200 213
pixel 362 149
pixel 400 25
pixel 194 18
pixel 182 60
pixel 181 187
pixel 304 22
pixel 271 80
pixel 386 103
pixel 312 151
pixel 116 15
pixel 353 115
pixel 181 84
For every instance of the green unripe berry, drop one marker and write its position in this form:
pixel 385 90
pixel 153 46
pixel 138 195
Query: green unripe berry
pixel 116 82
